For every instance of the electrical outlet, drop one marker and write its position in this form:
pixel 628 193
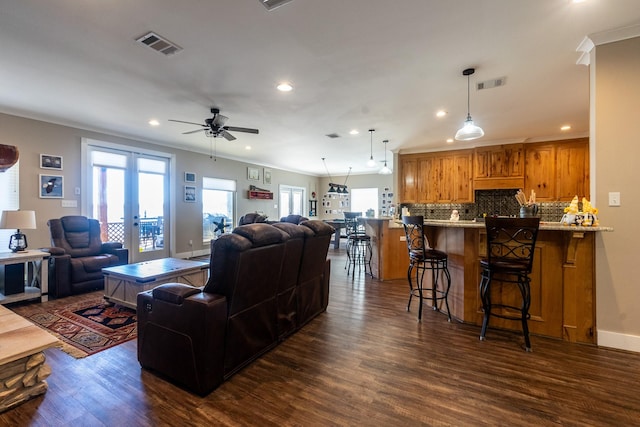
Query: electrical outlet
pixel 190 242
pixel 614 198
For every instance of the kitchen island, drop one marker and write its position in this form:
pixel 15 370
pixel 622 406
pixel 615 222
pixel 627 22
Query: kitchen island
pixel 562 280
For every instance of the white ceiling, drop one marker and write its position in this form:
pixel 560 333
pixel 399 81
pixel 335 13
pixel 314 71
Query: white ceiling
pixel 388 65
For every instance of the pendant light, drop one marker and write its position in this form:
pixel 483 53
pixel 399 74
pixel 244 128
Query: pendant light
pixel 469 131
pixel 385 169
pixel 371 163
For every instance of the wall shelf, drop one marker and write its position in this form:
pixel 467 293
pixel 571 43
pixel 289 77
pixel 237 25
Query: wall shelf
pixel 261 195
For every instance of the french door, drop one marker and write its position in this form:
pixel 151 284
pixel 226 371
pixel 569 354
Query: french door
pixel 128 192
pixel 291 200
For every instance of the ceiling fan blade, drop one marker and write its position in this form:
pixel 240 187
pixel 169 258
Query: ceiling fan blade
pixel 189 123
pixel 227 135
pixel 237 129
pixel 193 131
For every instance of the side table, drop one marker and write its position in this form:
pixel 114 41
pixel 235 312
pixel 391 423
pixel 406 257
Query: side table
pixel 37 283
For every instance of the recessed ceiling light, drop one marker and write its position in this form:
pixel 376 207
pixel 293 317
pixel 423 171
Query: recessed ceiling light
pixel 565 127
pixel 449 140
pixel 354 132
pixel 248 147
pixel 284 87
pixel 441 113
pixel 154 122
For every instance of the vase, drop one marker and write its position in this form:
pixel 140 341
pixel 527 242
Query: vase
pixel 528 211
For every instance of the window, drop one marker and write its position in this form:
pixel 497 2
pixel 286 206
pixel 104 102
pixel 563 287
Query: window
pixel 10 200
pixel 218 207
pixel 363 199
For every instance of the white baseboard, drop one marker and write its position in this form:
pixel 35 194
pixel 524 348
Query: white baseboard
pixel 619 341
pixel 191 254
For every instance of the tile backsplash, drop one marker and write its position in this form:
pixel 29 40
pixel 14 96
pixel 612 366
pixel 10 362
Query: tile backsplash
pixel 491 202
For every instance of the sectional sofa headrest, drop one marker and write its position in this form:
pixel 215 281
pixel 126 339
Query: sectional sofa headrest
pixel 293 230
pixel 320 228
pixel 261 234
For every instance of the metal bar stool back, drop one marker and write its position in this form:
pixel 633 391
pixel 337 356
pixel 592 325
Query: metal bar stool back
pixel 359 251
pixel 510 249
pixel 423 258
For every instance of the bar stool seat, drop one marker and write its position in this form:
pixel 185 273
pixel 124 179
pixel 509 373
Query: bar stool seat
pixel 423 258
pixel 510 249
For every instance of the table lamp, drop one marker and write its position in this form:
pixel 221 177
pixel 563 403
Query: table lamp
pixel 18 220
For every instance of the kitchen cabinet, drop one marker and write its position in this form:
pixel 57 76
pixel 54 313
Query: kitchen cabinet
pixel 408 179
pixel 572 170
pixel 558 171
pixel 436 177
pixel 500 166
pixel 540 166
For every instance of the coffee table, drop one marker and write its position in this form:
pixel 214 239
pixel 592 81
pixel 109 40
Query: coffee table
pixel 123 282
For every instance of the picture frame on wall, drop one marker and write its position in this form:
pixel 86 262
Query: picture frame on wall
pixel 253 174
pixel 51 186
pixel 266 174
pixel 189 177
pixel 189 193
pixel 49 161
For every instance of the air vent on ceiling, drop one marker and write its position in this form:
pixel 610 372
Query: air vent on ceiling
pixel 159 44
pixel 333 135
pixel 272 4
pixel 488 84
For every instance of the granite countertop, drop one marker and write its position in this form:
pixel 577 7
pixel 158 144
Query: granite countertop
pixel 544 225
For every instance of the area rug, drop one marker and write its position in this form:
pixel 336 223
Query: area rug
pixel 86 324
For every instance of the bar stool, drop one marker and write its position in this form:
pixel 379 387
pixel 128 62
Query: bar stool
pixel 423 258
pixel 510 248
pixel 359 251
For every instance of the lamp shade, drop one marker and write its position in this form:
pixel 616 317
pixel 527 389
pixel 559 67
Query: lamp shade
pixel 18 220
pixel 469 131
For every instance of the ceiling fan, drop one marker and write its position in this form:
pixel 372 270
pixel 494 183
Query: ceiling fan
pixel 215 127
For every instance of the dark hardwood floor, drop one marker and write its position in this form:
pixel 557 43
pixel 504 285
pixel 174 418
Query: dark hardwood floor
pixel 365 362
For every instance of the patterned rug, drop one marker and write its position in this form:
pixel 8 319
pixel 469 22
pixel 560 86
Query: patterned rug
pixel 86 324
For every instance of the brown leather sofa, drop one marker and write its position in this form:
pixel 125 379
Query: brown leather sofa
pixel 78 256
pixel 266 281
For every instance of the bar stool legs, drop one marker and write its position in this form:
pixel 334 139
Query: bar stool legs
pixel 359 254
pixel 437 292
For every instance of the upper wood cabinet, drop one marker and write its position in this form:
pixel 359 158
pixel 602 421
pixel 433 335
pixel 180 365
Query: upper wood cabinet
pixel 572 170
pixel 558 171
pixel 436 177
pixel 540 166
pixel 409 183
pixel 499 166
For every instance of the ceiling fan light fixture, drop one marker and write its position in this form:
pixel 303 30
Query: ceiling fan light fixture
pixel 469 130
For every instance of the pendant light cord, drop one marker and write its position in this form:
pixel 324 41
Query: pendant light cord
pixel 327 169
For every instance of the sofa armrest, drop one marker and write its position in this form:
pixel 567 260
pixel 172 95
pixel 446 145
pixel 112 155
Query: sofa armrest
pixel 59 275
pixel 54 251
pixel 174 293
pixel 183 341
pixel 115 248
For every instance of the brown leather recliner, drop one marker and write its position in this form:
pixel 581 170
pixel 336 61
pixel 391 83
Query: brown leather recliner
pixel 199 337
pixel 78 256
pixel 251 218
pixel 294 219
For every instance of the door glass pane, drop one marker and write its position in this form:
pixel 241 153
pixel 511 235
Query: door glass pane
pixel 108 202
pixel 285 202
pixel 150 210
pixel 297 203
